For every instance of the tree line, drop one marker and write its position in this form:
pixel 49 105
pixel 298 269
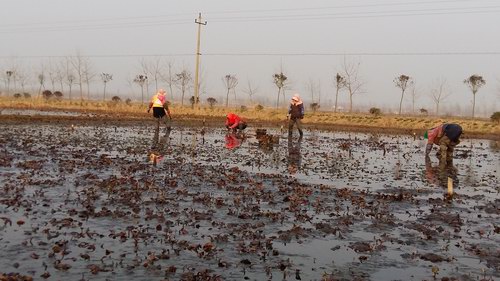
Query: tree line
pixel 78 71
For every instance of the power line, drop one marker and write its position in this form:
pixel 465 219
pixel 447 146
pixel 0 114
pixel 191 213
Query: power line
pixel 369 14
pixel 346 6
pixel 478 53
pixel 261 18
pixel 95 27
pixel 358 54
pixel 149 17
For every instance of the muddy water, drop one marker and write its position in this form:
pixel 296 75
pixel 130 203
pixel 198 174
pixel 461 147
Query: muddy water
pixel 95 203
pixel 34 112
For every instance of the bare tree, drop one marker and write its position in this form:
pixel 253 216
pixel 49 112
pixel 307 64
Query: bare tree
pixel 250 90
pixel 498 88
pixel 211 102
pixel 311 88
pixel 319 91
pixel 280 82
pixel 51 72
pixel 69 76
pixel 23 79
pixel 70 80
pixel 141 80
pixel 88 75
pixel 474 82
pixel 9 75
pixel 182 81
pixel 340 83
pixel 105 77
pixel 230 82
pixel 59 73
pixel 153 70
pixel 439 92
pixel 402 82
pixel 77 62
pixel 414 92
pixel 353 83
pixel 41 81
pixel 169 78
pixel 3 76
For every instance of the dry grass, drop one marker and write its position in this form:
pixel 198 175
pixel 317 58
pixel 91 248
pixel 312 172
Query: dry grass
pixel 137 110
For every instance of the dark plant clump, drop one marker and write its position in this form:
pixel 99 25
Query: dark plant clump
pixel 495 117
pixel 58 95
pixel 375 111
pixel 314 106
pixel 47 94
pixel 193 101
pixel 211 102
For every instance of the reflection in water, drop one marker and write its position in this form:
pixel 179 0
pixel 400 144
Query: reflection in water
pixel 495 146
pixel 439 174
pixel 294 158
pixel 397 168
pixel 470 178
pixel 159 146
pixel 233 140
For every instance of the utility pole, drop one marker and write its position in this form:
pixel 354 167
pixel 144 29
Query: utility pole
pixel 196 86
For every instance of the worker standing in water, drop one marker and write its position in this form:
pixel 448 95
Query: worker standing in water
pixel 160 108
pixel 295 115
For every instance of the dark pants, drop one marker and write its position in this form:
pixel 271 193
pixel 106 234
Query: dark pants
pixel 297 122
pixel 158 112
pixel 241 126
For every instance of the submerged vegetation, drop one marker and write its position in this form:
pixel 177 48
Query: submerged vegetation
pixel 101 201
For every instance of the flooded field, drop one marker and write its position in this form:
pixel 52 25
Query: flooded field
pixel 119 203
pixel 36 112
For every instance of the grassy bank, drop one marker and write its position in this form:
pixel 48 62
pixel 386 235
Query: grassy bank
pixel 360 121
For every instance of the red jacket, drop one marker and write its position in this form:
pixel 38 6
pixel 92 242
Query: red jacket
pixel 435 134
pixel 232 141
pixel 232 120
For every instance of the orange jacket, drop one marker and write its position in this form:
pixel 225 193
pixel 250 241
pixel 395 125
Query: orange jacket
pixel 232 120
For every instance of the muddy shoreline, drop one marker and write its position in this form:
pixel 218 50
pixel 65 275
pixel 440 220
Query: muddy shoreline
pixel 90 118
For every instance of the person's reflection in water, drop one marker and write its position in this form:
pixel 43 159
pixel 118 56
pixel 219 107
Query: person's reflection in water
pixel 160 146
pixel 232 140
pixel 439 174
pixel 294 158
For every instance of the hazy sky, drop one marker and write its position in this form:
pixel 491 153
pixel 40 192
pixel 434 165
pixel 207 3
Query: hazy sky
pixel 426 40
